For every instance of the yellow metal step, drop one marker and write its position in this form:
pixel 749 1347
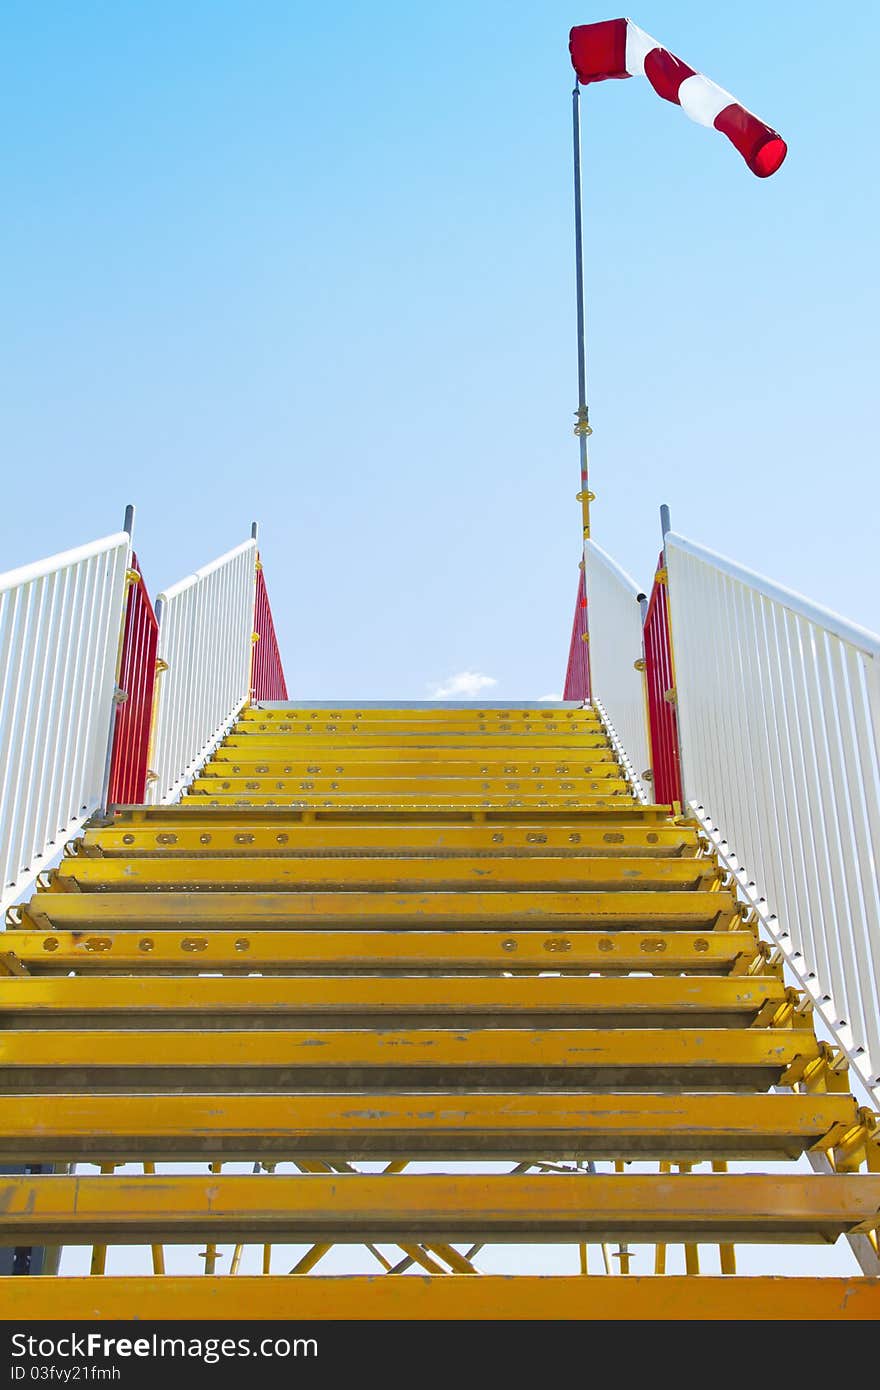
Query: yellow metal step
pixel 607 782
pixel 439 1126
pixel 248 761
pixel 80 873
pixel 357 1207
pixel 427 715
pixel 618 816
pixel 329 1059
pixel 524 1298
pixel 252 836
pixel 270 1002
pixel 451 952
pixel 624 909
pixel 427 802
pixel 498 743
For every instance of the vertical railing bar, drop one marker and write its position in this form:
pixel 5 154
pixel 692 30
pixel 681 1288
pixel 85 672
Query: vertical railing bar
pixel 727 684
pixel 33 768
pixel 58 795
pixel 72 805
pixel 759 868
pixel 55 701
pixel 721 787
pixel 781 893
pixel 829 978
pixel 784 719
pixel 22 750
pixel 13 681
pixel 852 926
pixel 826 812
pixel 704 655
pixel 858 772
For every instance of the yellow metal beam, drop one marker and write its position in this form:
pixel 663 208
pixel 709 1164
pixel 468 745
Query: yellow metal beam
pixel 294 837
pixel 622 813
pixel 413 874
pixel 623 909
pixel 357 1207
pixel 377 1124
pixel 291 836
pixel 571 741
pixel 444 1298
pixel 616 1058
pixel 270 1001
pixel 440 722
pixel 254 759
pixel 376 950
pixel 428 803
pixel 605 783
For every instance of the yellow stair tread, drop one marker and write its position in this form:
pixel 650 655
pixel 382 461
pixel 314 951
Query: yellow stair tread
pixel 358 1207
pixel 378 950
pixel 623 908
pixel 376 1124
pixel 521 1298
pixel 415 873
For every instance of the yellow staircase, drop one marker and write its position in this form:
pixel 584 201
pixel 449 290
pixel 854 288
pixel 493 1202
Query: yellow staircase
pixel 449 939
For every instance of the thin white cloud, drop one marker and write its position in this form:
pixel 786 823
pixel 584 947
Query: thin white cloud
pixel 556 699
pixel 466 685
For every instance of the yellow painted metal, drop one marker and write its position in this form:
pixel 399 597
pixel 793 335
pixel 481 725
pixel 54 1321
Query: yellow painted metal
pixel 621 909
pixel 275 874
pixel 623 1058
pixel 208 1001
pixel 268 760
pixel 108 949
pixel 457 937
pixel 426 734
pixel 158 1251
pixel 291 837
pixel 371 1124
pixel 491 1297
pixel 426 802
pixel 435 1207
pixel 519 721
pixel 400 790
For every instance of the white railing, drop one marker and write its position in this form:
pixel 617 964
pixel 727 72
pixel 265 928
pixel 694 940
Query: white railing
pixel 779 720
pixel 206 624
pixel 615 627
pixel 60 633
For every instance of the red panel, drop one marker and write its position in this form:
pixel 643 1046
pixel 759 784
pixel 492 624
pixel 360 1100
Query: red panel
pixel 577 675
pixel 598 51
pixel 660 678
pixel 131 738
pixel 267 674
pixel 666 73
pixel 760 146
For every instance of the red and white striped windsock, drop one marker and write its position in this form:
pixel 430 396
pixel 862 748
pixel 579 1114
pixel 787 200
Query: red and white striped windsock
pixel 619 48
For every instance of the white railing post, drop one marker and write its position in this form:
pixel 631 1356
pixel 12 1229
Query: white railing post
pixel 614 617
pixel 778 703
pixel 205 628
pixel 60 623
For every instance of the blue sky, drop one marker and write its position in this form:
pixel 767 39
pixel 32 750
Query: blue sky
pixel 313 265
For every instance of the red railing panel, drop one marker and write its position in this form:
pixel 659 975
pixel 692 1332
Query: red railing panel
pixel 660 680
pixel 577 675
pixel 267 674
pixel 137 677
